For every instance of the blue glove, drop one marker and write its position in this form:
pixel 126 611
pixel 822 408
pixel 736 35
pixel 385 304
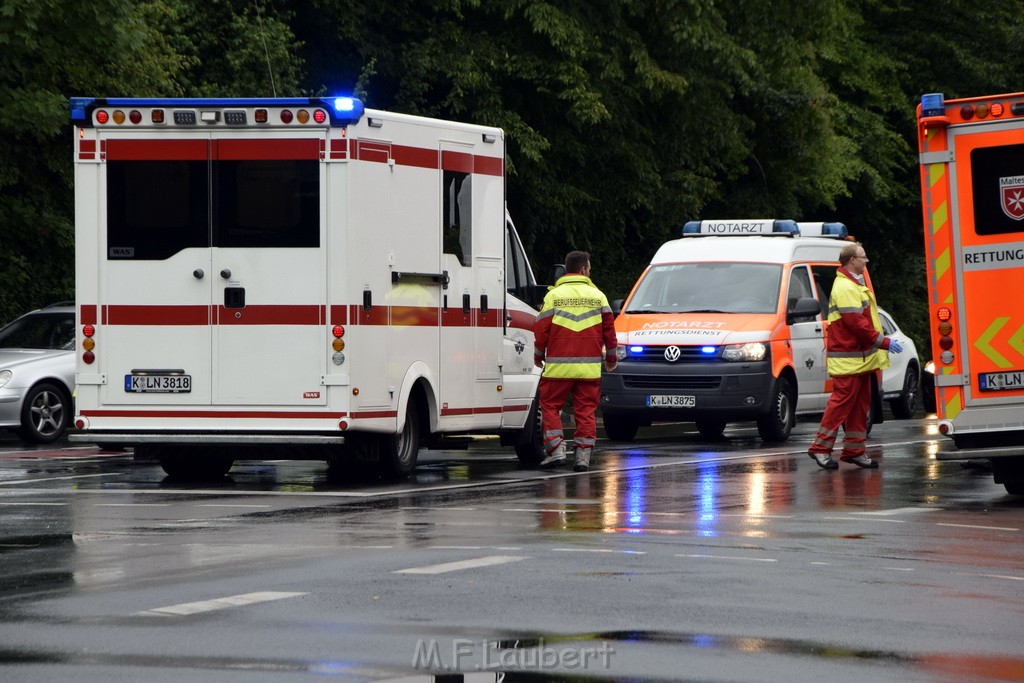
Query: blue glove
pixel 894 346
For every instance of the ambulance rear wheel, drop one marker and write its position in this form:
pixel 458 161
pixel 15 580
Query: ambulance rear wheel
pixel 398 452
pixel 530 446
pixel 778 423
pixel 620 428
pixel 194 464
pixel 712 430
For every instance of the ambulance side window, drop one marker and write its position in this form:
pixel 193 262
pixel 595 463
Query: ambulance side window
pixel 824 276
pixel 457 215
pixel 799 288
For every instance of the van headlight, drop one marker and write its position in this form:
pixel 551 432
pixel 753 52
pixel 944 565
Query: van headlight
pixel 745 352
pixel 5 377
pixel 620 352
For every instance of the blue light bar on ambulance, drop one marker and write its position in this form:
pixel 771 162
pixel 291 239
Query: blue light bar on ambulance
pixel 836 230
pixel 342 111
pixel 933 104
pixel 784 228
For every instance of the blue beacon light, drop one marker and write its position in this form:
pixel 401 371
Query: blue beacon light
pixel 344 104
pixel 708 349
pixel 636 349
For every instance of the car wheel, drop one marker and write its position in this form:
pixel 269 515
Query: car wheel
pixel 45 414
pixel 778 423
pixel 905 407
pixel 620 428
pixel 711 429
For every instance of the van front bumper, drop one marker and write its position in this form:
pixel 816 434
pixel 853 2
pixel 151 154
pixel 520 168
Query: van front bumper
pixel 726 391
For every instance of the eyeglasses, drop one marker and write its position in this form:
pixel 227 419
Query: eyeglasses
pixel 863 258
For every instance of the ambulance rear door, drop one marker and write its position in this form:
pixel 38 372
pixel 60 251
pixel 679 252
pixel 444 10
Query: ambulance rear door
pixel 988 203
pixel 213 282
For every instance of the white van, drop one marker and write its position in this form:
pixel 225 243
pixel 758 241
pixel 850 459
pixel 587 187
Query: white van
pixel 727 324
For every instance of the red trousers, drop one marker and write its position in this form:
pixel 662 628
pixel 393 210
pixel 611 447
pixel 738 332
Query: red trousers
pixel 585 395
pixel 847 408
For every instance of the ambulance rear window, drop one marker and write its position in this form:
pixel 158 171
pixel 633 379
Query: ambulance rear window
pixel 157 208
pixel 998 188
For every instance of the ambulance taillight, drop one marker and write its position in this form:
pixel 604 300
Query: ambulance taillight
pixel 945 330
pixel 338 344
pixel 88 344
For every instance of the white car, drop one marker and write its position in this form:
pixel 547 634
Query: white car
pixel 901 382
pixel 37 373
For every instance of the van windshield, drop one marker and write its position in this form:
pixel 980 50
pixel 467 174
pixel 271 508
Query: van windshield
pixel 708 288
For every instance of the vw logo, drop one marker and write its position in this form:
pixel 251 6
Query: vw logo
pixel 672 354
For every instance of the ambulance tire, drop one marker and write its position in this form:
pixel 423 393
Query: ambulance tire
pixel 620 428
pixel 777 424
pixel 530 445
pixel 905 406
pixel 398 452
pixel 712 430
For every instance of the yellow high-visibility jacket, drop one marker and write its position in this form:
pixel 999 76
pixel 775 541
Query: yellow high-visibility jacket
pixel 855 340
pixel 571 329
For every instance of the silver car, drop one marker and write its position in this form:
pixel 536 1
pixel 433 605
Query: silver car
pixel 37 373
pixel 901 381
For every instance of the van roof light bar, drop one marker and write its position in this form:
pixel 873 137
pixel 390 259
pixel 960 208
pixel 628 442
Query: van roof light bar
pixel 833 230
pixel 779 228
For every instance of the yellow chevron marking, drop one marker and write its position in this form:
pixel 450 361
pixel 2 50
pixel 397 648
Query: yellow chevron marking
pixel 1016 341
pixel 942 264
pixel 949 299
pixel 935 173
pixel 939 217
pixel 983 345
pixel 953 406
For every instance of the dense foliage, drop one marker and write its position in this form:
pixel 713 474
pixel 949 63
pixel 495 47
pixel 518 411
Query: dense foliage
pixel 625 118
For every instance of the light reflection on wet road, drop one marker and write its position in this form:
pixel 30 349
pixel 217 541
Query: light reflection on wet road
pixel 694 561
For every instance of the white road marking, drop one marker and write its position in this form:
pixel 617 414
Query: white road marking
pixel 73 476
pixel 861 519
pixel 993 576
pixel 25 503
pixel 598 550
pixel 474 547
pixel 895 511
pixel 730 557
pixel 823 564
pixel 442 509
pixel 533 510
pixel 977 526
pixel 898 569
pixel 462 564
pixel 232 505
pixel 187 608
pixel 131 505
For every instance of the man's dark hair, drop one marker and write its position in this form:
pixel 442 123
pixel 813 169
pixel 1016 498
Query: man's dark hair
pixel 575 260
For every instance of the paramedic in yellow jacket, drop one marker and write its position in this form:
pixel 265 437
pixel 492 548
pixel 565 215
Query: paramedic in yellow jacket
pixel 574 333
pixel 856 349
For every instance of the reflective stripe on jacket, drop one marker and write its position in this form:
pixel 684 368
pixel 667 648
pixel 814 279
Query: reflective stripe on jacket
pixel 855 340
pixel 574 330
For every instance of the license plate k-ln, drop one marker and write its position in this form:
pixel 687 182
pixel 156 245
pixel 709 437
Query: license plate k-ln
pixel 160 384
pixel 1001 381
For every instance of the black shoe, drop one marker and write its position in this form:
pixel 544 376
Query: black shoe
pixel 824 461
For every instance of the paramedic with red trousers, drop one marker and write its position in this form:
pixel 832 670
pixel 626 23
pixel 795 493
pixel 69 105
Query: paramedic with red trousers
pixel 574 332
pixel 856 349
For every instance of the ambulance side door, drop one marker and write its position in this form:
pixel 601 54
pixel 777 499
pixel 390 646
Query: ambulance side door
pixel 808 339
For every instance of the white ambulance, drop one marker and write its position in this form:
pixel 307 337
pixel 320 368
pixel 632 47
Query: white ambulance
pixel 727 324
pixel 297 271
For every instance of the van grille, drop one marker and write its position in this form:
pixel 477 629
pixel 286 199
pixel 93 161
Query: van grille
pixel 670 382
pixel 687 354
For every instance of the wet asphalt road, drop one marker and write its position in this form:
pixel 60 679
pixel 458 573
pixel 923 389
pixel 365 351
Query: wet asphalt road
pixel 673 559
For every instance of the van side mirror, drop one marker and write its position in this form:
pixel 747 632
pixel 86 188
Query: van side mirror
pixel 557 272
pixel 804 310
pixel 616 305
